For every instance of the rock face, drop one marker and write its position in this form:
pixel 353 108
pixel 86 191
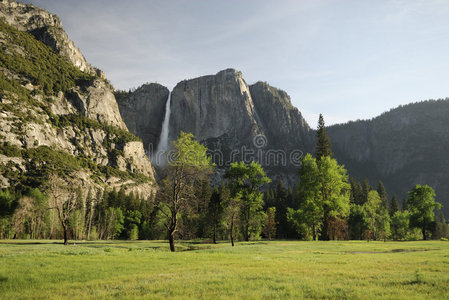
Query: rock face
pixel 143 112
pixel 235 121
pixel 403 147
pixel 77 132
pixel 46 27
pixel 283 123
pixel 215 107
pixel 98 103
pixel 240 122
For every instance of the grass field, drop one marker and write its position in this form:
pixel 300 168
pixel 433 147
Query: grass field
pixel 275 269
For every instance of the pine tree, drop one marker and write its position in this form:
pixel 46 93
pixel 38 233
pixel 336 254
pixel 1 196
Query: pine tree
pixel 366 188
pixel 323 146
pixel 394 206
pixel 404 205
pixel 357 193
pixel 383 195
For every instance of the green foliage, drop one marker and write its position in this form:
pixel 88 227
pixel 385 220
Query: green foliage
pixel 245 181
pixel 6 202
pixel 282 199
pixel 394 205
pixel 400 223
pixel 39 63
pixel 270 223
pixel 216 209
pixel 382 194
pixel 334 195
pixel 377 216
pixel 421 203
pixel 189 153
pixel 308 219
pixel 323 146
pixel 324 195
pixel 189 164
pixel 357 222
pixel 10 150
pixel 133 232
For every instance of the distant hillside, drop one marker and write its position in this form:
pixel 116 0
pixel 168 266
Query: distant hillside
pixel 406 146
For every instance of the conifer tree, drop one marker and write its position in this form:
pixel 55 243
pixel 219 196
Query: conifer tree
pixel 394 206
pixel 323 146
pixel 383 195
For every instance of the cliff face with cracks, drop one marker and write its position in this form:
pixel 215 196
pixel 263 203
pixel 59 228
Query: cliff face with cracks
pixel 143 112
pixel 47 28
pixel 63 118
pixel 235 121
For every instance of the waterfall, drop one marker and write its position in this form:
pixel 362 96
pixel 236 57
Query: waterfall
pixel 163 146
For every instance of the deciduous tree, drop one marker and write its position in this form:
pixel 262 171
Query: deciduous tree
pixel 188 164
pixel 421 203
pixel 246 180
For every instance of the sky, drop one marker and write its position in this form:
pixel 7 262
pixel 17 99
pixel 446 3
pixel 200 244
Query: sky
pixel 345 59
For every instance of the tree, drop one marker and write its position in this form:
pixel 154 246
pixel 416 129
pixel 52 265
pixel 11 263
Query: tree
pixel 441 229
pixel 366 188
pixel 421 203
pixel 246 180
pixel 394 205
pixel 377 216
pixel 270 223
pixel 215 209
pixel 308 218
pixel 231 215
pixel 383 195
pixel 357 222
pixel 189 164
pixel 400 223
pixel 64 199
pixel 334 196
pixel 7 205
pixel 323 146
pixel 357 194
pixel 324 195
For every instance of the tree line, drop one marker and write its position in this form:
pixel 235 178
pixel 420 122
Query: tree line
pixel 325 205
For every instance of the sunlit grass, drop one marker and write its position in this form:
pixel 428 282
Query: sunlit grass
pixel 278 269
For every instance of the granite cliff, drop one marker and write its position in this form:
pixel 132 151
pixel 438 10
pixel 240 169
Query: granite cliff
pixel 234 120
pixel 58 114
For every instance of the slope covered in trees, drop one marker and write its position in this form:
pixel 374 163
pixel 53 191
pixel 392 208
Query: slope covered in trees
pixel 406 146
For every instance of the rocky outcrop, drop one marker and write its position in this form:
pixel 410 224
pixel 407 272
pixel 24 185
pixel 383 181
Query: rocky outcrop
pixel 283 123
pixel 143 112
pixel 98 103
pixel 235 121
pixel 214 107
pixel 76 132
pixel 46 27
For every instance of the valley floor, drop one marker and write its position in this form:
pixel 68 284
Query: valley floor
pixel 254 270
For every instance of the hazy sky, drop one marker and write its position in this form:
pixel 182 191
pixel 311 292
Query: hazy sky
pixel 346 59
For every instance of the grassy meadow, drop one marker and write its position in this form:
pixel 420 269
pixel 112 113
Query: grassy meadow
pixel 265 269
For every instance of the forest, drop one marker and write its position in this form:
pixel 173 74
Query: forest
pixel 326 204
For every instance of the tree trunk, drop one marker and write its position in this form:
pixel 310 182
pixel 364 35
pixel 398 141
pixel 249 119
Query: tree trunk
pixel 325 232
pixel 215 230
pixel 424 233
pixel 66 237
pixel 171 240
pixel 232 232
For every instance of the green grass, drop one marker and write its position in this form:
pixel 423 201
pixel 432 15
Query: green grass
pixel 278 269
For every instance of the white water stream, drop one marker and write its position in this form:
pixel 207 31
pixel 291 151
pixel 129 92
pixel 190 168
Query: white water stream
pixel 163 146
